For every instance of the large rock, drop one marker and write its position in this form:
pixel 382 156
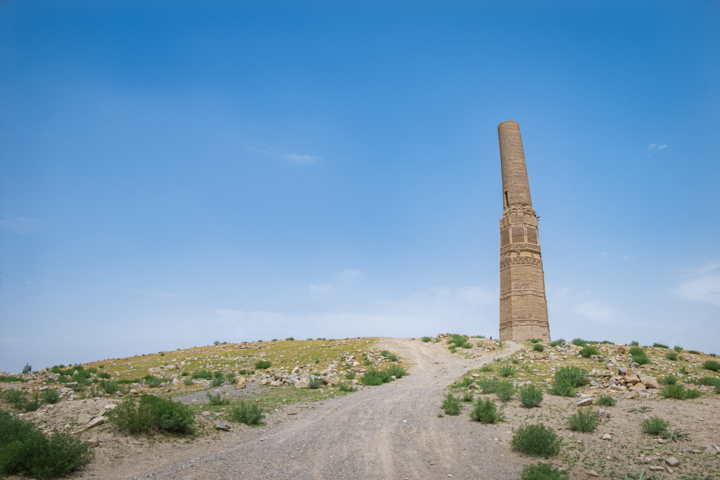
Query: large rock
pixel 634 379
pixel 713 449
pixel 649 381
pixel 672 462
pixel 331 380
pixel 96 422
pixel 84 418
pixel 585 402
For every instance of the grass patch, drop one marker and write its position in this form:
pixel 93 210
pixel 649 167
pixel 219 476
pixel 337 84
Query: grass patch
pixel 536 440
pixel 579 342
pixel 659 345
pixel 487 385
pixel 451 405
pixel 669 380
pixel 678 391
pixel 575 376
pixel 396 371
pixel 678 348
pixel 153 413
pixel 426 339
pixel 539 347
pixel 543 471
pixel 641 359
pixel 530 396
pixel 486 368
pixel 346 387
pixel 217 399
pixel 315 383
pixel 588 350
pixel 50 396
pixel 635 350
pixel 263 364
pixel 350 375
pixel 458 341
pixel 246 412
pixel 655 426
pixel 26 451
pixel 505 391
pixel 557 343
pixel 606 401
pixel 583 421
pixel 202 374
pixel 711 365
pixel 506 371
pixel 485 411
pixel 672 356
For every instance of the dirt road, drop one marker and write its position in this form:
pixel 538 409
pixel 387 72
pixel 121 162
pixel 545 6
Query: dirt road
pixel 387 432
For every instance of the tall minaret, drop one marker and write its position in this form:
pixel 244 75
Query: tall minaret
pixel 523 307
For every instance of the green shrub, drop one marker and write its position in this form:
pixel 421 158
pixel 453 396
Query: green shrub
pixel 588 350
pixel 672 356
pixel 669 380
pixel 678 348
pixel 248 413
pixel 583 421
pixel 486 412
pixel 575 376
pixel 384 353
pixel 659 345
pixel 641 359
pixel 426 339
pixel 216 382
pixel 392 357
pixel 350 375
pixel 263 364
pixel 451 405
pixel 152 412
pixel 486 368
pixel 579 342
pixel 487 385
pixel 468 397
pixel 202 374
pixel 505 391
pixel 104 375
pixel 712 365
pixel 543 471
pixel 109 386
pixel 694 352
pixel 187 381
pixel 506 371
pixel 289 339
pixel 636 351
pixel 218 375
pixel 6 379
pixel 26 451
pixel 531 396
pixel 50 396
pixel 314 383
pixel 375 377
pixel 346 387
pixel 538 347
pixel 562 389
pixel 712 381
pixel 679 392
pixel 217 399
pixel 536 440
pixel 153 382
pixel 606 401
pixel 396 371
pixel 557 343
pixel 634 343
pixel 655 426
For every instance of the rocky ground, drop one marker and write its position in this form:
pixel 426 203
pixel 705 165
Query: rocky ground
pixel 396 430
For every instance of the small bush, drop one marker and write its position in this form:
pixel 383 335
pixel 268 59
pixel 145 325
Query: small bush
pixel 132 417
pixel 543 471
pixel 583 421
pixel 636 351
pixel 712 365
pixel 396 371
pixel 562 389
pixel 506 371
pixel 678 348
pixel 659 345
pixel 426 339
pixel 451 405
pixel 384 353
pixel 216 382
pixel 655 426
pixel 217 399
pixel 468 397
pixel 575 376
pixel 672 356
pixel 350 375
pixel 669 380
pixel 641 359
pixel 588 350
pixel 487 385
pixel 153 382
pixel 289 339
pixel 606 401
pixel 104 375
pixel 557 343
pixel 536 440
pixel 531 396
pixel 187 381
pixel 579 342
pixel 634 343
pixel 263 364
pixel 694 352
pixel 505 391
pixel 375 377
pixel 109 387
pixel 486 368
pixel 153 412
pixel 6 379
pixel 679 392
pixel 50 396
pixel 202 374
pixel 712 381
pixel 486 412
pixel 535 340
pixel 248 413
pixel 218 374
pixel 315 383
pixel 538 347
pixel 26 451
pixel 346 387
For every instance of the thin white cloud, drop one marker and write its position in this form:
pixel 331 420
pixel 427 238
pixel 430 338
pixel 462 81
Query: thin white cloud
pixel 319 289
pixel 626 257
pixel 703 285
pixel 662 146
pixel 18 224
pixel 294 158
pixel 596 310
pixel 352 274
pixel 651 146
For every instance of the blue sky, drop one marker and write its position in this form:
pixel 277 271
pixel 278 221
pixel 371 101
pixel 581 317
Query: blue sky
pixel 177 173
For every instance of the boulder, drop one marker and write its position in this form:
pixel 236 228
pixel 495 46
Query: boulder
pixel 95 422
pixel 585 402
pixel 607 436
pixel 649 381
pixel 634 379
pixel 84 418
pixel 331 380
pixel 224 426
pixel 672 462
pixel 713 449
pixel 93 442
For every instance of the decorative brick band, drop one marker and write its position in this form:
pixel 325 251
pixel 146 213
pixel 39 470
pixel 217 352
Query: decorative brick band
pixel 522 292
pixel 534 247
pixel 508 261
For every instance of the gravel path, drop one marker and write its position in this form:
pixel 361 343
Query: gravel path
pixel 386 432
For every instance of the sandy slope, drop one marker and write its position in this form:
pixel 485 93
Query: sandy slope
pixel 386 432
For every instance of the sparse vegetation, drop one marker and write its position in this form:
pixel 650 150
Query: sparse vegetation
pixel 505 391
pixel 486 412
pixel 50 396
pixel 217 399
pixel 426 339
pixel 538 347
pixel 679 392
pixel 153 412
pixel 655 426
pixel 531 396
pixel 314 383
pixel 543 471
pixel 712 365
pixel 536 440
pixel 659 345
pixel 458 341
pixel 346 387
pixel 506 371
pixel 673 356
pixel 451 405
pixel 263 364
pixel 557 343
pixel 583 421
pixel 606 401
pixel 669 380
pixel 202 374
pixel 246 412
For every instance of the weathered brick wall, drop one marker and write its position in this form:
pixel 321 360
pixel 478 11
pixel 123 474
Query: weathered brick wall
pixel 523 306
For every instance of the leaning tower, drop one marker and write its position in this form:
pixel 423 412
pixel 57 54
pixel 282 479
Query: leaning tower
pixel 523 307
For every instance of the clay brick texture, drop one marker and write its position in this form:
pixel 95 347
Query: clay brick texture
pixel 523 306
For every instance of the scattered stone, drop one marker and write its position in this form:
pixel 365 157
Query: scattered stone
pixel 97 421
pixel 672 462
pixel 224 426
pixel 713 449
pixel 622 371
pixel 93 442
pixel 585 402
pixel 607 436
pixel 84 418
pixel 592 473
pixel 656 468
pixel 206 413
pixel 649 381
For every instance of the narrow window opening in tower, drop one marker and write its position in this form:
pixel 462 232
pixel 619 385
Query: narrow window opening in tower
pixel 507 202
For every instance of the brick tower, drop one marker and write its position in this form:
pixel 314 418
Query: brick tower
pixel 523 307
